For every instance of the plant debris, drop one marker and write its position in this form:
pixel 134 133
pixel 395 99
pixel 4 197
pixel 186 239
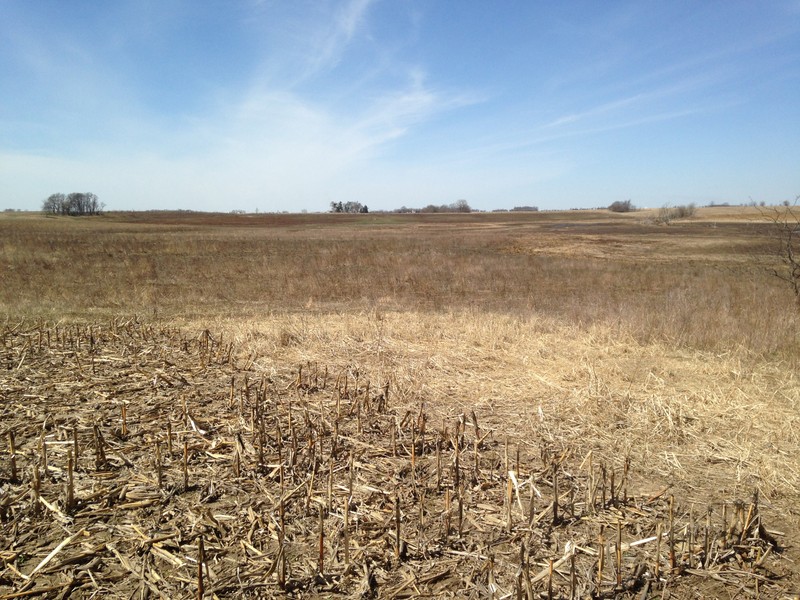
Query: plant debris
pixel 142 461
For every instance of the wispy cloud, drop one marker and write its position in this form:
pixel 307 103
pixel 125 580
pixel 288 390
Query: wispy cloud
pixel 596 111
pixel 394 112
pixel 331 38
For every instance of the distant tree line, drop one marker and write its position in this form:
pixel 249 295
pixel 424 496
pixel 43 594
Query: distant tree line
pixel 459 206
pixel 349 207
pixel 74 204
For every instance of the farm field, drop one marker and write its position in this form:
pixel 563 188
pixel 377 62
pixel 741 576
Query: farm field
pixel 507 405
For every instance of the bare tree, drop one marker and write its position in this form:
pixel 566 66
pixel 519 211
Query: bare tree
pixel 53 203
pixel 786 220
pixel 460 206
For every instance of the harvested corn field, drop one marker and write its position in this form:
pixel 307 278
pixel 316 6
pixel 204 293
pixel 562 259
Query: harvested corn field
pixel 145 461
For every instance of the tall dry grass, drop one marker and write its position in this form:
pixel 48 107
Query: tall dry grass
pixel 693 286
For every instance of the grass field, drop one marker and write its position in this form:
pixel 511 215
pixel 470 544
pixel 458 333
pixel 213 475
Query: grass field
pixel 588 342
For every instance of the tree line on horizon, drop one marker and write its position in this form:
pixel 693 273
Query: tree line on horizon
pixel 459 206
pixel 74 204
pixel 349 207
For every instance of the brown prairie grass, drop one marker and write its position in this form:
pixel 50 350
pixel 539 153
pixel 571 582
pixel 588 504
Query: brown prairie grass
pixel 703 285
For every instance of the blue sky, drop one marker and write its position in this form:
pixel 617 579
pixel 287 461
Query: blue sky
pixel 290 105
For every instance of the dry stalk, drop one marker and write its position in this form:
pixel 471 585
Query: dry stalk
pixel 124 421
pixel 76 448
pixel 330 484
pixel 601 551
pixel 13 451
pixel 591 491
pixel 460 511
pixel 505 454
pixel 237 459
pixel 555 494
pixel 438 463
pixel 70 503
pixel 673 562
pixel 657 566
pixel 321 563
pixel 159 469
pixel 603 489
pixel 573 576
pixel 477 466
pixel 185 465
pixel 99 451
pixel 619 554
pixel 456 467
pixel 347 532
pixel 413 456
pixel 509 504
pixel 397 544
pixel 690 538
pixel 200 560
pixel 37 483
pixel 43 448
pixel 282 531
pixel 706 548
pixel 446 516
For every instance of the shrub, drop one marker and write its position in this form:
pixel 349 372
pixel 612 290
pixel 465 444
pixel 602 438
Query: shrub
pixel 672 213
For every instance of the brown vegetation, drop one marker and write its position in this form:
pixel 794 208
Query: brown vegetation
pixel 397 405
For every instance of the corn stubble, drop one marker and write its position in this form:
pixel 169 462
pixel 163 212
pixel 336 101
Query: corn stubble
pixel 294 481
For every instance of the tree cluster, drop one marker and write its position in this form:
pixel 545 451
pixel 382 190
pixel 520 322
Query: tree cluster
pixel 622 206
pixel 349 207
pixel 74 204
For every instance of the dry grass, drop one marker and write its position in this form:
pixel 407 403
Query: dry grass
pixel 701 284
pixel 576 335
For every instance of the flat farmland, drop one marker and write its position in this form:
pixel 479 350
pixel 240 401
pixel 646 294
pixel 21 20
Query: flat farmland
pixel 566 404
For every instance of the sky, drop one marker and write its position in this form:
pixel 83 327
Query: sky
pixel 268 105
